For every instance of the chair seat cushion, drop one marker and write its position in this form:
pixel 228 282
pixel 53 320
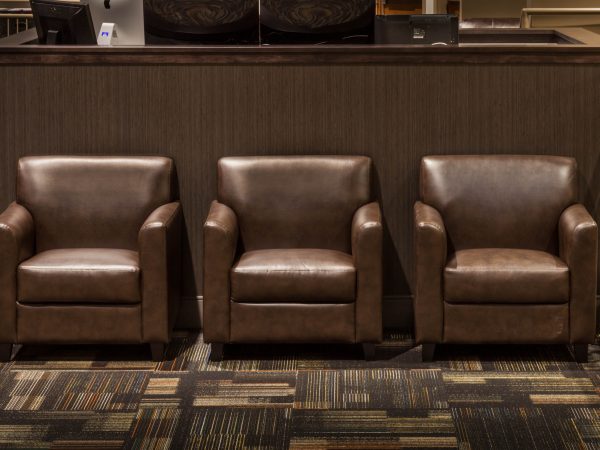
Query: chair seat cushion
pixel 493 275
pixel 294 276
pixel 80 275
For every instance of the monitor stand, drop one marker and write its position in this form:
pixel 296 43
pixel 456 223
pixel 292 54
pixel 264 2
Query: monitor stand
pixel 52 37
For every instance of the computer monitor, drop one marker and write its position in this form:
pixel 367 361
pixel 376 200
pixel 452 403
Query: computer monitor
pixel 419 29
pixel 60 22
pixel 127 15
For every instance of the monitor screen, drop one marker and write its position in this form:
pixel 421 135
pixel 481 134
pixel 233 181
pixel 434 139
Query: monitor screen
pixel 59 22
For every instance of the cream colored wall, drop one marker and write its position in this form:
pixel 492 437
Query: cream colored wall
pixel 489 9
pixel 542 21
pixel 564 3
pixel 14 4
pixel 565 21
pixel 434 6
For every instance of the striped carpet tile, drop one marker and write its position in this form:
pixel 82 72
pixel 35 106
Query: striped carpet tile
pixel 57 429
pixel 299 397
pixel 230 428
pixel 245 389
pixel 371 389
pixel 519 388
pixel 155 428
pixel 535 428
pixel 362 429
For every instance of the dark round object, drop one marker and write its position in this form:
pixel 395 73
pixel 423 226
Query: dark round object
pixel 317 16
pixel 191 18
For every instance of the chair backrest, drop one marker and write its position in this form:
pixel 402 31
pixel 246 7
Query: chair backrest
pixel 100 202
pixel 296 201
pixel 500 201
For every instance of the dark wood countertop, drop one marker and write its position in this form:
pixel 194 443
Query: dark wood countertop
pixel 482 53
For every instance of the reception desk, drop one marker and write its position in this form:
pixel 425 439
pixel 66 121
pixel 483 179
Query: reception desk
pixel 535 95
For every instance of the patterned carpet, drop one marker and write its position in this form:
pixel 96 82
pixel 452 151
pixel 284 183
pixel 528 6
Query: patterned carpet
pixel 299 397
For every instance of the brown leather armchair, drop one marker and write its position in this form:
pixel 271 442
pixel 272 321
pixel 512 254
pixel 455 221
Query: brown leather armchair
pixel 91 253
pixel 292 253
pixel 504 253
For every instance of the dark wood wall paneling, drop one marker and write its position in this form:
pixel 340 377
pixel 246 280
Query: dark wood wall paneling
pixel 395 113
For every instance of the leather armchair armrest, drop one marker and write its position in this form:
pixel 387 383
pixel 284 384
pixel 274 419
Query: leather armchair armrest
pixel 159 242
pixel 431 255
pixel 17 237
pixel 220 245
pixel 578 247
pixel 367 236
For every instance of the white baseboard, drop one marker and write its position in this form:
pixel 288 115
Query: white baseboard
pixel 397 312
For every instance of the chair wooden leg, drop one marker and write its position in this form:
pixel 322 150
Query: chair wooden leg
pixel 369 351
pixel 581 352
pixel 5 352
pixel 217 352
pixel 427 352
pixel 158 351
